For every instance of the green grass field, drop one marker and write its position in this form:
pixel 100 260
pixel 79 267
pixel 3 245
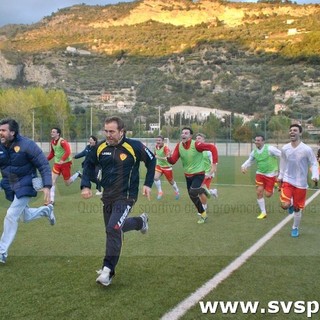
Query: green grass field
pixel 50 271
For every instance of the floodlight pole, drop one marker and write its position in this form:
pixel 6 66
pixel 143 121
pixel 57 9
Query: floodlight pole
pixel 33 124
pixel 159 120
pixel 91 120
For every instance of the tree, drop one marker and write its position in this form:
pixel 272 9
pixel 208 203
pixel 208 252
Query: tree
pixel 243 134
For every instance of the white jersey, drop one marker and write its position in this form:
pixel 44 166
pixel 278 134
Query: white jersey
pixel 295 164
pixel 272 151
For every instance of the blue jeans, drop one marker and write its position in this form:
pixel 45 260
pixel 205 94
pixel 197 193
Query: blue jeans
pixel 18 209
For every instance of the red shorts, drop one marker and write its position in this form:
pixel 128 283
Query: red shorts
pixel 166 171
pixel 64 169
pixel 298 195
pixel 266 182
pixel 207 181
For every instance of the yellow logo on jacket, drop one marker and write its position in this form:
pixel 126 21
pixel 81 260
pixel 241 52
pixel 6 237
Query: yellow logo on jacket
pixel 123 156
pixel 16 148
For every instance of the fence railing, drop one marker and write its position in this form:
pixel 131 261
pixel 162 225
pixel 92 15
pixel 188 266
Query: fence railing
pixel 224 148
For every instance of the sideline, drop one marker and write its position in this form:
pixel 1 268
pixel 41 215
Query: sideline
pixel 185 305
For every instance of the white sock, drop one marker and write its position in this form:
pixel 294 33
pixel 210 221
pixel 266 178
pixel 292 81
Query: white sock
pixel 158 185
pixel 52 193
pixel 296 219
pixel 262 205
pixel 175 187
pixel 74 177
pixel 205 206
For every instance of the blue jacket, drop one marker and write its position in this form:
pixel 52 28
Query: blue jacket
pixel 84 153
pixel 120 168
pixel 19 163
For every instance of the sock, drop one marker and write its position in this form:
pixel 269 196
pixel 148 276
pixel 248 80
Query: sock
pixel 52 193
pixel 296 219
pixel 158 185
pixel 74 177
pixel 175 187
pixel 204 214
pixel 205 206
pixel 262 205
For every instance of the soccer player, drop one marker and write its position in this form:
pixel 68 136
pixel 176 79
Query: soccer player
pixel 210 170
pixel 190 152
pixel 163 167
pixel 296 159
pixel 20 158
pixel 266 157
pixel 61 152
pixel 119 158
pixel 84 153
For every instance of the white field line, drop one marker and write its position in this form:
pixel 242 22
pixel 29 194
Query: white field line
pixel 185 305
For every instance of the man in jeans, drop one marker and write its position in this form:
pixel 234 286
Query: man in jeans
pixel 20 158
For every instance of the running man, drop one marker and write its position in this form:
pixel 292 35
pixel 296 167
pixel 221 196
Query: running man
pixel 296 159
pixel 119 158
pixel 266 157
pixel 61 152
pixel 163 167
pixel 210 169
pixel 190 152
pixel 20 159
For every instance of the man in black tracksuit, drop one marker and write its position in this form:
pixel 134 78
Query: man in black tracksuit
pixel 119 159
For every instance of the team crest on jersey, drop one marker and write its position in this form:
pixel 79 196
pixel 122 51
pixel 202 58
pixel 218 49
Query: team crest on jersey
pixel 16 148
pixel 123 156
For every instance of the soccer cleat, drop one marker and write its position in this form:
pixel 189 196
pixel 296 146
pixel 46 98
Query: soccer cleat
pixel 177 195
pixel 295 232
pixel 3 257
pixel 105 276
pixel 290 210
pixel 160 194
pixel 203 218
pixel 51 216
pixel 262 216
pixel 145 225
pixel 214 193
pixel 98 193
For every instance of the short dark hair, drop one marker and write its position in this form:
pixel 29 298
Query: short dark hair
pixel 116 119
pixel 260 135
pixel 94 138
pixel 58 130
pixel 296 125
pixel 202 135
pixel 160 137
pixel 13 125
pixel 187 128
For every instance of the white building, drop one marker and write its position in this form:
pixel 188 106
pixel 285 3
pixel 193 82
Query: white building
pixel 200 113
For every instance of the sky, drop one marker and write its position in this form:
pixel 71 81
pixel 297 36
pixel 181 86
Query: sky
pixel 31 11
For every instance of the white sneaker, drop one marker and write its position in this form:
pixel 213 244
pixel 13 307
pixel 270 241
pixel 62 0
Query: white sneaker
pixel 214 193
pixel 98 193
pixel 105 276
pixel 145 225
